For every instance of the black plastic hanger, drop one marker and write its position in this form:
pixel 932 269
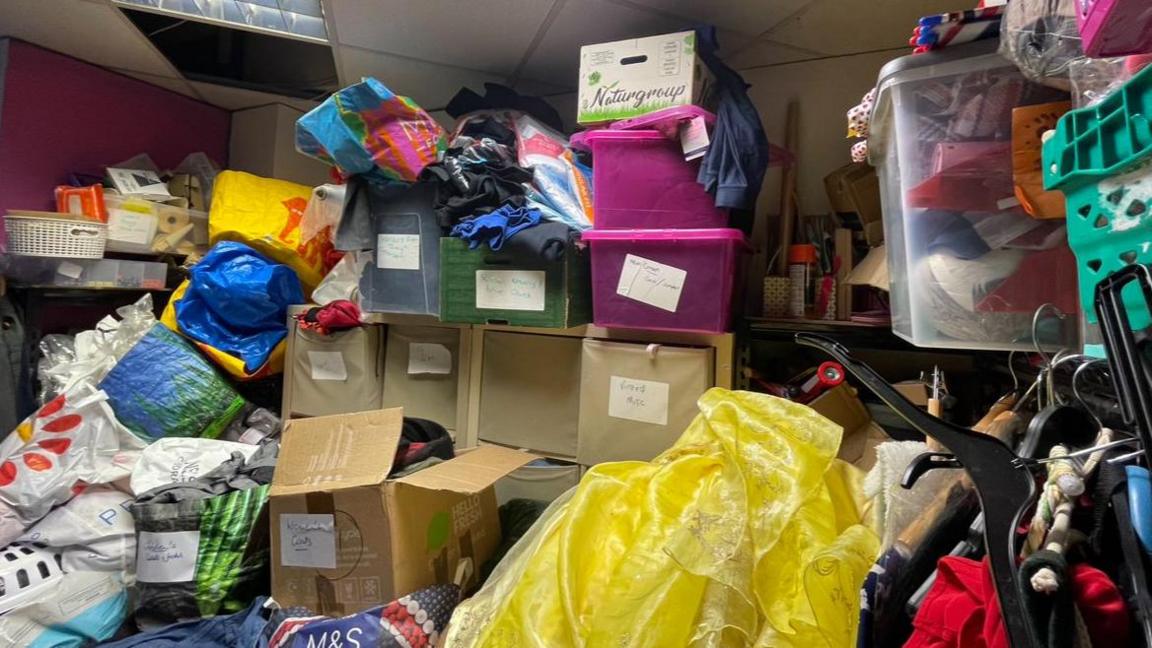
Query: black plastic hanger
pixel 1003 483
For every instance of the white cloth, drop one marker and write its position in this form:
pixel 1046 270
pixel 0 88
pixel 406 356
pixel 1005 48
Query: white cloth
pixel 174 460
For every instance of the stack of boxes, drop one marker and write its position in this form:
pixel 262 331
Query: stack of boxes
pixel 662 255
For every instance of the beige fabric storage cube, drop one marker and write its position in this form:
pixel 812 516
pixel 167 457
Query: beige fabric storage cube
pixel 338 373
pixel 542 479
pixel 422 372
pixel 530 392
pixel 636 399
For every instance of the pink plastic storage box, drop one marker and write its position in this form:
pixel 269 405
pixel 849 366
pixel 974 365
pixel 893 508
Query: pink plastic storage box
pixel 641 181
pixel 668 280
pixel 1115 27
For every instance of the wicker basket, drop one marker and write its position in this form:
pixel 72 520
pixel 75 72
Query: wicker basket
pixel 45 234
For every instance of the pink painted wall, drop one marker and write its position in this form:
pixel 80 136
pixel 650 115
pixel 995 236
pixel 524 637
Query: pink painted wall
pixel 61 115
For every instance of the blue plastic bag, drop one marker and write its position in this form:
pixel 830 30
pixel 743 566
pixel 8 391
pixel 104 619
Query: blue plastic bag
pixel 237 302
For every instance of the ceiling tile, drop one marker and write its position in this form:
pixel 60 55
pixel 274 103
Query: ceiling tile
pixel 490 35
pixel 431 85
pixel 846 26
pixel 582 22
pixel 93 32
pixel 238 98
pixel 742 16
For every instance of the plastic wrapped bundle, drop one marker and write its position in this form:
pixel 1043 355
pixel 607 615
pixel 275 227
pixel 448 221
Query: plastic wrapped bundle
pixel 1042 39
pixel 72 441
pixel 164 387
pixel 747 532
pixel 201 557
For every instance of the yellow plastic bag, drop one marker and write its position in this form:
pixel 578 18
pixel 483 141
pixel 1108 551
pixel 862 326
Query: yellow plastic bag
pixel 265 214
pixel 233 365
pixel 746 533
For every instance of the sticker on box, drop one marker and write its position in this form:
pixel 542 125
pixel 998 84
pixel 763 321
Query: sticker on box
pixel 398 251
pixel 521 290
pixel 327 365
pixel 131 227
pixel 651 282
pixel 429 358
pixel 645 401
pixel 308 540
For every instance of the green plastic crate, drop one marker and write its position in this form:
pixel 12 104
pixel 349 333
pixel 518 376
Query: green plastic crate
pixel 485 287
pixel 1101 158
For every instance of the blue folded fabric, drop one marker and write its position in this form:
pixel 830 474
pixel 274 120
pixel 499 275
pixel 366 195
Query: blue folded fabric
pixel 496 227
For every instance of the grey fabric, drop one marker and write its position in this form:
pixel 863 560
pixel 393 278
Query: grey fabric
pixel 257 420
pixel 232 475
pixel 356 230
pixel 11 367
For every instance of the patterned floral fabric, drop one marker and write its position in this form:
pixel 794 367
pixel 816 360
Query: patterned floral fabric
pixel 413 621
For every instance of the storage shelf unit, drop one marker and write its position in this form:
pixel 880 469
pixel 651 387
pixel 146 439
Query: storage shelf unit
pixel 470 364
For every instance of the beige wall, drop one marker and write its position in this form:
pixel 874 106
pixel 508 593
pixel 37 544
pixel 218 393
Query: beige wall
pixel 825 90
pixel 263 142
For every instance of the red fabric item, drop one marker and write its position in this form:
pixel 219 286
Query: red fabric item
pixel 336 316
pixel 962 611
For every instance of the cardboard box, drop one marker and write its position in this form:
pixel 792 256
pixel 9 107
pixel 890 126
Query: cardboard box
pixel 634 77
pixel 346 538
pixel 843 407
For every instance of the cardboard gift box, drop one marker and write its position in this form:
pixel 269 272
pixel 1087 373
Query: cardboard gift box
pixel 345 537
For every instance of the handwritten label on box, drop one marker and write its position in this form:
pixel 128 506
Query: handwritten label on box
pixel 308 540
pixel 131 227
pixel 651 282
pixel 398 251
pixel 429 358
pixel 510 289
pixel 167 557
pixel 645 401
pixel 327 365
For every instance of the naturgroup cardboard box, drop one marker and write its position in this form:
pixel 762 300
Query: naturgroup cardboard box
pixel 346 538
pixel 638 76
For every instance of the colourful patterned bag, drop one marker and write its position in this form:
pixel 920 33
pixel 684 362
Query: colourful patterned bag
pixel 367 129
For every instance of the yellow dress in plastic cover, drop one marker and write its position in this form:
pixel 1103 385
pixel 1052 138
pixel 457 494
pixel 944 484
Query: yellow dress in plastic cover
pixel 746 533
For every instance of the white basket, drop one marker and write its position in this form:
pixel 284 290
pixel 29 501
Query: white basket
pixel 55 237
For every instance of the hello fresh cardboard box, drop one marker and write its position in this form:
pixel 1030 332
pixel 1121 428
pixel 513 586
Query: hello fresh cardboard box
pixel 635 77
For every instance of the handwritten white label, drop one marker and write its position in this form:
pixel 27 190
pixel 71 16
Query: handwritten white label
pixel 398 251
pixel 427 358
pixel 308 540
pixel 70 270
pixel 694 138
pixel 651 282
pixel 131 227
pixel 167 557
pixel 645 401
pixel 510 289
pixel 327 365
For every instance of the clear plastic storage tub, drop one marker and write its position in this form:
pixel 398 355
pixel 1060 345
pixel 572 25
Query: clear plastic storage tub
pixel 968 266
pixel 640 180
pixel 670 280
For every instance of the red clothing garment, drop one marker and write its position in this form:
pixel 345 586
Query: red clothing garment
pixel 962 611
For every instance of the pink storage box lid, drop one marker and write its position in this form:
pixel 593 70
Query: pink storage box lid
pixel 715 234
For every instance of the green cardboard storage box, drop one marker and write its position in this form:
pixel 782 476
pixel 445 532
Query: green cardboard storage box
pixel 485 287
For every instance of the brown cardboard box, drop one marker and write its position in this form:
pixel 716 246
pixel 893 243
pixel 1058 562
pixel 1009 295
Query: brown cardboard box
pixel 346 538
pixel 842 406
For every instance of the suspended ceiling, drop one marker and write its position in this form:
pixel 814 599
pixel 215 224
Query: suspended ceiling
pixel 428 49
